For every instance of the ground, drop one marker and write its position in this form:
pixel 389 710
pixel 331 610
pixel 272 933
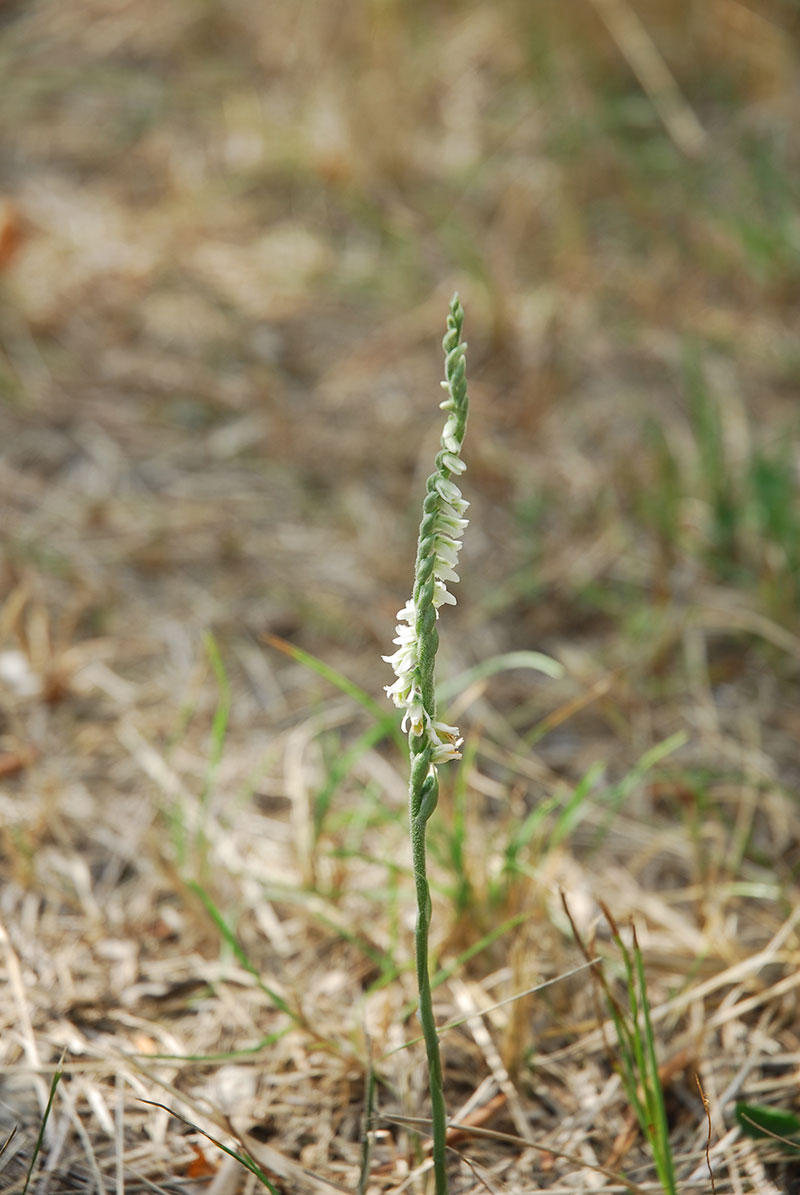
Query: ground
pixel 229 234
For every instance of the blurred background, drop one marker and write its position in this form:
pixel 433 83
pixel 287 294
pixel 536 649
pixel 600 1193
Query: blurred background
pixel 229 237
pixel 229 233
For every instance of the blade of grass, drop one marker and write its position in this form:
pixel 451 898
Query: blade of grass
pixel 370 1087
pixel 570 815
pixel 389 722
pixel 238 950
pixel 760 1121
pixel 640 1065
pixel 444 973
pixel 619 793
pixel 537 987
pixel 343 764
pixel 244 1158
pixel 511 1139
pixel 503 663
pixel 8 1140
pixel 636 1062
pixel 225 1056
pixel 57 1076
pixel 219 726
pixel 657 1113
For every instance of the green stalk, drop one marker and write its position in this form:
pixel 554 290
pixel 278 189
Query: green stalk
pixel 432 742
pixel 429 1033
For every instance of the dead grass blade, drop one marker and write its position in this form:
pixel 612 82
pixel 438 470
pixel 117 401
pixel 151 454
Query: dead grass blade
pixel 470 1130
pixel 654 75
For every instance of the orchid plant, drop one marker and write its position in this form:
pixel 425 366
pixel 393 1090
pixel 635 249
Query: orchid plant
pixel 432 742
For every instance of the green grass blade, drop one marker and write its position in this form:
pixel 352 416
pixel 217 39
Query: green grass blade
pixel 762 1122
pixel 343 765
pixel 503 663
pixel 389 722
pixel 662 1148
pixel 219 726
pixel 444 973
pixel 223 1056
pixel 638 1060
pixel 244 1158
pixel 620 792
pixel 57 1075
pixel 521 836
pixel 238 950
pixel 570 815
pixel 370 1088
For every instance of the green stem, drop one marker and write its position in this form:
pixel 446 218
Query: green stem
pixel 423 798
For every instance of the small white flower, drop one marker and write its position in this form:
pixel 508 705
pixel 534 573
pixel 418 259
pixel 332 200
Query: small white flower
pixel 414 717
pixel 452 462
pixel 447 548
pixel 442 595
pixel 398 692
pixel 444 572
pixel 448 490
pixel 404 661
pixel 445 533
pixel 408 613
pixel 453 525
pixel 446 741
pixel 449 438
pixel 405 658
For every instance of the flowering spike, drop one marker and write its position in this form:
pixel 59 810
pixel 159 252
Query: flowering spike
pixel 440 534
pixel 432 742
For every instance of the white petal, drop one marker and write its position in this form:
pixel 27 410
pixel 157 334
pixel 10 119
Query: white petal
pixel 442 596
pixel 453 463
pixel 450 732
pixel 444 752
pixel 451 526
pixel 448 490
pixel 449 438
pixel 447 548
pixel 408 613
pixel 443 572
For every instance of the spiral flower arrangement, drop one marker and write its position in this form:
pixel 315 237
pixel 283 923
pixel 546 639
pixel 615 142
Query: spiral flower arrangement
pixel 432 742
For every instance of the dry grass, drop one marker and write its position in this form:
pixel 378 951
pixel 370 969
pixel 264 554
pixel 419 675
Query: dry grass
pixel 227 240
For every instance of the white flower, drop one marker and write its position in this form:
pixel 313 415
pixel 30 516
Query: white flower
pixel 404 661
pixel 449 434
pixel 408 613
pixel 414 717
pixel 445 538
pixel 448 491
pixel 447 548
pixel 442 595
pixel 449 519
pixel 444 572
pixel 446 741
pixel 452 462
